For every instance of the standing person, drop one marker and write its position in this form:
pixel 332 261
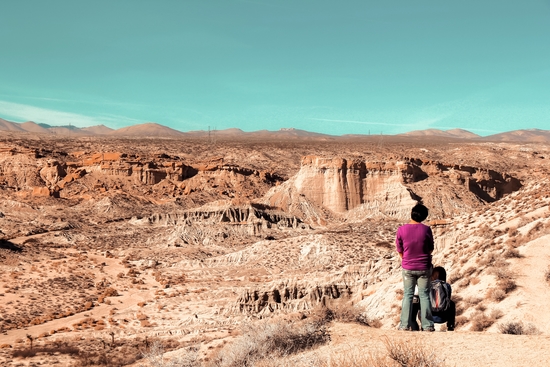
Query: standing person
pixel 414 243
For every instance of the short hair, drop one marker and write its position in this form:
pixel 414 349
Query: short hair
pixel 442 274
pixel 419 213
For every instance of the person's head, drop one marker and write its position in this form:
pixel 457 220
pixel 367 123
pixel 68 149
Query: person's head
pixel 419 213
pixel 439 273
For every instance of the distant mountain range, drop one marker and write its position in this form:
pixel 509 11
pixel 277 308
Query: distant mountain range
pixel 151 129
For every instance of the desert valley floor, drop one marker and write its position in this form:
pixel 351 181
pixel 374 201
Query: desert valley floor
pixel 112 247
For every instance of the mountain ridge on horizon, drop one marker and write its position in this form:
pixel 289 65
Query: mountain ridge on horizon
pixel 152 129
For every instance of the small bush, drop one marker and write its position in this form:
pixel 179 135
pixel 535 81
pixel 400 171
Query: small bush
pixel 496 294
pixel 460 320
pixel 481 321
pixel 547 275
pixel 505 281
pixel 268 340
pixel 518 328
pixel 398 354
pixel 511 253
pixel 343 312
pixel 472 301
pixel 27 353
pixel 155 356
pixel 410 354
pixel 453 278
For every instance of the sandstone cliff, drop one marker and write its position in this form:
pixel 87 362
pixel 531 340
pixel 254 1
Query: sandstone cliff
pixel 390 188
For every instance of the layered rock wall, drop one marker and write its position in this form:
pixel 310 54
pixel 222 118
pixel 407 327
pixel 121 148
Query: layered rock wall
pixel 340 185
pixel 392 187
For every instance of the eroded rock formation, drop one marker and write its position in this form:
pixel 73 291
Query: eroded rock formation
pixel 68 175
pixel 388 187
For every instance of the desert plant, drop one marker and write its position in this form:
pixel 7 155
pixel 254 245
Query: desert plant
pixel 31 339
pixel 482 321
pixel 454 277
pixel 411 354
pixel 518 328
pixel 155 357
pixel 496 294
pixel 27 353
pixel 266 340
pixel 507 285
pixel 547 275
pixel 511 253
pixel 398 354
pixel 344 312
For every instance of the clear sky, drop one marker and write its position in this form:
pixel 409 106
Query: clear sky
pixel 335 67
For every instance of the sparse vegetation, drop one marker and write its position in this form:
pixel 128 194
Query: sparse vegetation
pixel 511 252
pixel 482 321
pixel 195 249
pixel 518 328
pixel 188 357
pixel 268 340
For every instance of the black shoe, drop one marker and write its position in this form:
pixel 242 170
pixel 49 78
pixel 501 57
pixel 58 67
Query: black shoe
pixel 451 328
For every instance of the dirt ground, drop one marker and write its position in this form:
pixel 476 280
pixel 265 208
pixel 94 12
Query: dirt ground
pixel 457 348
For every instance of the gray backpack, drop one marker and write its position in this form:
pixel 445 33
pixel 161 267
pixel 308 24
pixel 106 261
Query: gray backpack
pixel 440 296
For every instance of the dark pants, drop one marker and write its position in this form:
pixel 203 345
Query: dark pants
pixel 442 317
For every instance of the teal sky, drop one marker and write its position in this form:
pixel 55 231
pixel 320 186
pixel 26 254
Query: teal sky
pixel 336 67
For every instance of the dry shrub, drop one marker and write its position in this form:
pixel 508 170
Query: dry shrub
pixel 511 253
pixel 488 259
pixel 398 354
pixel 507 285
pixel 411 354
pixel 460 320
pixel 269 339
pixel 505 281
pixel 27 353
pixel 452 278
pixel 496 294
pixel 547 275
pixel 482 321
pixel 109 292
pixel 481 307
pixel 472 301
pixel 344 312
pixel 518 328
pixel 459 308
pixel 155 357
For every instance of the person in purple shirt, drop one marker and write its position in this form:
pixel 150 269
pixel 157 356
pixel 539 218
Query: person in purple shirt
pixel 414 242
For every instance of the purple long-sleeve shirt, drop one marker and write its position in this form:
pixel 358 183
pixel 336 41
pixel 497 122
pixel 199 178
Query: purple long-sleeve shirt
pixel 416 243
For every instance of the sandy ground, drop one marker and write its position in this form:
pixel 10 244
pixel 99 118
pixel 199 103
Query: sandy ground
pixel 468 349
pixel 533 290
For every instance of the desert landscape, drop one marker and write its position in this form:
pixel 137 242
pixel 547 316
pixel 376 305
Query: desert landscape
pixel 143 247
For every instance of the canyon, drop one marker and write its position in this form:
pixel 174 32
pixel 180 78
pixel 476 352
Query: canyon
pixel 108 240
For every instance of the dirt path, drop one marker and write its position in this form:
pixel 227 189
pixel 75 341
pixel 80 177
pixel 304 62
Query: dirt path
pixel 533 289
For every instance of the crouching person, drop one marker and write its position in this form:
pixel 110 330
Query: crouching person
pixel 443 308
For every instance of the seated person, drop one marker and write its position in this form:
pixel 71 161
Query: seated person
pixel 440 317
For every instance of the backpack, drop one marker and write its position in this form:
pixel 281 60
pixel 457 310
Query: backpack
pixel 440 296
